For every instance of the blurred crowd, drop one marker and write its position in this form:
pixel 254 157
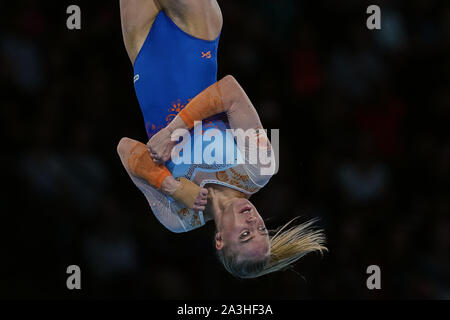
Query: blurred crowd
pixel 364 145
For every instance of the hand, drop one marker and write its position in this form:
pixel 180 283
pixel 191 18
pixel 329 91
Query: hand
pixel 201 200
pixel 185 192
pixel 160 146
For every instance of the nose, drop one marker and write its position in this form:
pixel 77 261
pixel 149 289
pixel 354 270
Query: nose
pixel 250 219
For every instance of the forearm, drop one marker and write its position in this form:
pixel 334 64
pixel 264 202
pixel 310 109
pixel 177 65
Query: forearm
pixel 136 159
pixel 226 96
pixel 207 103
pixel 183 191
pixel 170 185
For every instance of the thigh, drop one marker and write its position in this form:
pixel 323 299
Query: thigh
pixel 137 17
pixel 199 18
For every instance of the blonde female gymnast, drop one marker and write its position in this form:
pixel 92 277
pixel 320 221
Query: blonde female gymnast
pixel 175 69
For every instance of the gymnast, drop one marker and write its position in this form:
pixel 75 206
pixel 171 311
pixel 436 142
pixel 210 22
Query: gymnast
pixel 173 48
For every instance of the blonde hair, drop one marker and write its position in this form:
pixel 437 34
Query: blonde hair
pixel 287 246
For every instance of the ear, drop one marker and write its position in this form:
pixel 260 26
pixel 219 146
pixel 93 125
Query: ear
pixel 219 241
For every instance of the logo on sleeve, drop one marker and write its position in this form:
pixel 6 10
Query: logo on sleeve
pixel 206 55
pixel 136 78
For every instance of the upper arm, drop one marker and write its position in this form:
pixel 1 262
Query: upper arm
pixel 136 17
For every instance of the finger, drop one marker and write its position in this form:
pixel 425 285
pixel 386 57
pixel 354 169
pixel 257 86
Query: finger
pixel 201 208
pixel 201 202
pixel 204 192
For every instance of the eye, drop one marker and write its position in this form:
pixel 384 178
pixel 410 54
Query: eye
pixel 244 234
pixel 262 228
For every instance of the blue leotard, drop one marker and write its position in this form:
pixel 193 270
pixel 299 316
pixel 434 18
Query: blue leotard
pixel 171 68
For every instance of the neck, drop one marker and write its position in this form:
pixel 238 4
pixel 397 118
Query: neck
pixel 218 199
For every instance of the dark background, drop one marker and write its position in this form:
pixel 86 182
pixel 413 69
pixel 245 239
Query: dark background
pixel 363 118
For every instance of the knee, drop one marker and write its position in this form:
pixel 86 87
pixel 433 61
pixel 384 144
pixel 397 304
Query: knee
pixel 234 91
pixel 229 80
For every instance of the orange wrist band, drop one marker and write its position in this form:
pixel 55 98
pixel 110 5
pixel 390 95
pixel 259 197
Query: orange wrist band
pixel 206 104
pixel 136 158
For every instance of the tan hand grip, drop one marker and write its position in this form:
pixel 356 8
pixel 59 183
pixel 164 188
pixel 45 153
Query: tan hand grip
pixel 186 193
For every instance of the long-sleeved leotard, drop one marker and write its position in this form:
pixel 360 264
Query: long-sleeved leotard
pixel 224 96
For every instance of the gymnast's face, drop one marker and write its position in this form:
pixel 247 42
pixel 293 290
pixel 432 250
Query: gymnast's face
pixel 242 230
